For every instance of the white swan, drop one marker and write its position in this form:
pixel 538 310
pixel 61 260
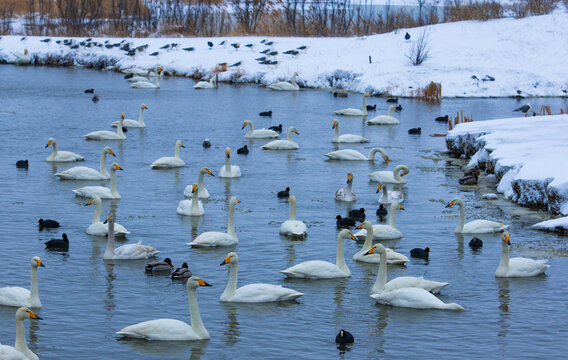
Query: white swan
pixel 354 155
pixel 253 293
pixel 203 193
pixel 171 329
pixel 22 58
pixel 20 351
pixel 125 252
pixel 108 135
pixel 385 119
pixel 400 282
pixel 130 123
pixel 135 71
pixel 354 112
pixel 393 257
pixel 101 191
pixel 193 207
pixel 518 266
pixel 412 297
pixel 87 173
pixel 97 227
pixel 211 84
pixel 292 227
pixel 168 162
pixel 480 226
pixel 217 238
pixel 61 156
pixel 260 133
pixel 146 84
pixel 287 144
pixel 389 197
pixel 391 177
pixel 317 269
pixel 346 194
pixel 19 296
pixel 384 232
pixel 284 85
pixel 345 138
pixel 228 170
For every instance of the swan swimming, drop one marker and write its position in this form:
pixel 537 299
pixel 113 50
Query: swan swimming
pixel 390 177
pixel 480 226
pixel 193 207
pixel 211 84
pixel 20 351
pixel 354 155
pixel 172 329
pixel 146 84
pixel 317 269
pixel 87 173
pixel 385 119
pixel 345 138
pixel 101 191
pixel 385 232
pixel 355 112
pixel 126 252
pixel 168 162
pixel 252 293
pixel 517 266
pixel 287 144
pixel 260 133
pixel 97 227
pixel 19 296
pixel 61 156
pixel 108 135
pixel 292 227
pixel 203 193
pixel 393 257
pixel 346 194
pixel 389 197
pixel 284 85
pixel 130 123
pixel 228 170
pixel 217 238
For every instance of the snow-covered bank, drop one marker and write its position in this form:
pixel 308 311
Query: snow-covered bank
pixel 529 156
pixel 522 56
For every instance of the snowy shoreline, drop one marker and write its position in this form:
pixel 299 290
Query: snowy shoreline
pixel 496 58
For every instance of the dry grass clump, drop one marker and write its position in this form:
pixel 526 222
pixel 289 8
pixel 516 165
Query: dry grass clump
pixel 431 92
pixel 460 118
pixel 525 8
pixel 473 10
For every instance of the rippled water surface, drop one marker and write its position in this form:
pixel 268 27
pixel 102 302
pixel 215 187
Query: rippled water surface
pixel 86 300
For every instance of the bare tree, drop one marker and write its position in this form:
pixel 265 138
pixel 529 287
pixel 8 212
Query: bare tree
pixel 419 49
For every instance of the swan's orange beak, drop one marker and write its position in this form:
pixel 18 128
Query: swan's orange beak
pixel 450 204
pixel 33 316
pixel 238 201
pixel 349 178
pixel 117 167
pixel 193 188
pixel 48 143
pixel 39 263
pixel 507 238
pixel 387 159
pixel 371 251
pixel 226 261
pixel 228 153
pixel 400 207
pixel 26 52
pixel 89 203
pixel 334 124
pixel 203 283
pixel 111 152
pixel 244 125
pixel 360 226
pixel 296 131
pixel 182 145
pixel 379 187
pixel 352 237
pixel 209 172
pixel 403 174
pixel 144 106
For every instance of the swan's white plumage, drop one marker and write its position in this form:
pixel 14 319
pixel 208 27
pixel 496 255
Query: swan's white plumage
pixel 354 155
pixel 130 123
pixel 61 156
pixel 388 197
pixel 126 252
pixel 345 138
pixel 390 177
pixel 97 227
pixel 19 296
pixel 287 144
pixel 87 173
pixel 202 193
pixel 20 351
pixel 258 133
pixel 10 353
pixel 108 135
pixel 480 226
pixel 22 58
pixel 228 170
pixel 354 112
pixel 518 266
pixel 285 86
pixel 211 84
pixel 193 207
pixel 393 257
pixel 346 194
pixel 146 84
pixel 292 227
pixel 385 119
pixel 101 191
pixel 168 162
pixel 216 238
pixel 415 298
pixel 384 232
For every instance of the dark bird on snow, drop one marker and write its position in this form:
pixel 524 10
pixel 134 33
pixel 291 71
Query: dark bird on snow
pixel 263 41
pixel 407 36
pixel 269 43
pixel 189 48
pixel 222 42
pixel 415 131
pixel 274 62
pixel 371 107
pixel 475 243
pixel 265 51
pixel 22 164
pixel 23 38
pixel 468 180
pixel 278 128
pixel 236 45
pixel 284 193
pixel 165 265
pixel 266 62
pixel 61 244
pixel 392 100
pixel 243 151
pixel 206 143
pixel 344 222
pixel 303 47
pixel 273 53
pixel 210 44
pixel 155 53
pixel 291 52
pixel 47 224
pixel 167 46
pixel 382 211
pixel 58 41
pixel 95 98
pixel 46 40
pixel 344 337
pixel 125 47
pixel 74 46
pixel 420 253
pixel 265 113
pixel 261 58
pixel 358 215
pixel 524 109
pixel 131 52
pixel 235 64
pixel 248 45
pixel 182 273
pixel 89 91
pixel 445 118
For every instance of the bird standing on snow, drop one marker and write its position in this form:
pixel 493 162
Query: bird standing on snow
pixel 407 36
pixel 524 109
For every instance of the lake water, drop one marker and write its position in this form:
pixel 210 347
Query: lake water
pixel 86 300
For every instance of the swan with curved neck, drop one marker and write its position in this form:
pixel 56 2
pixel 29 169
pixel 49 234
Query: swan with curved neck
pixel 252 293
pixel 61 156
pixel 87 173
pixel 108 135
pixel 391 177
pixel 258 134
pixel 20 351
pixel 19 296
pixel 284 85
pixel 97 227
pixel 518 266
pixel 172 329
pixel 216 238
pixel 384 232
pixel 211 84
pixel 355 112
pixel 287 144
pixel 130 123
pixel 317 269
pixel 228 170
pixel 22 58
pixel 354 155
pixel 480 226
pixel 392 256
pixel 385 119
pixel 168 162
pixel 125 252
pixel 193 207
pixel 203 193
pixel 389 196
pixel 345 138
pixel 101 191
pixel 346 194
pixel 381 284
pixel 293 227
pixel 147 84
